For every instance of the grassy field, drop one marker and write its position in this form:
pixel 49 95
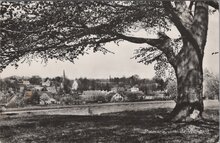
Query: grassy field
pixel 123 127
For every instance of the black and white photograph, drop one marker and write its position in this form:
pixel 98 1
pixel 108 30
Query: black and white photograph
pixel 105 71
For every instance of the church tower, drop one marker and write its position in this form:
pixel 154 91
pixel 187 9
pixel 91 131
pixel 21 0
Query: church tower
pixel 64 76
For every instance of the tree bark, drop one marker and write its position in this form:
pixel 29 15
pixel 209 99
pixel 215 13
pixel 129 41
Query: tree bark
pixel 189 71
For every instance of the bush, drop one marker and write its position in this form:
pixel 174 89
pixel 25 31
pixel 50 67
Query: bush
pixel 172 89
pixel 211 85
pixel 109 96
pixel 133 96
pixel 67 100
pixel 20 102
pixel 94 96
pixel 33 100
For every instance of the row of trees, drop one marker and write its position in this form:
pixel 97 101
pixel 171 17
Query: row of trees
pixel 92 84
pixel 211 84
pixel 86 84
pixel 145 85
pixel 124 83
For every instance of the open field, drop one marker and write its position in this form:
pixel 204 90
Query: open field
pixel 97 109
pixel 91 109
pixel 128 127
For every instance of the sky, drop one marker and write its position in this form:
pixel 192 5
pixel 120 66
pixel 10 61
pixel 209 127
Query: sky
pixel 119 64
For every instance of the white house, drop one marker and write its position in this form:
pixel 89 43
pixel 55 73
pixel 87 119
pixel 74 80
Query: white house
pixel 38 87
pixel 25 82
pixel 46 83
pixel 134 89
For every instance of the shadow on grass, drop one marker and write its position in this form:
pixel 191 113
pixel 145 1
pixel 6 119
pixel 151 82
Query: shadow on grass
pixel 128 127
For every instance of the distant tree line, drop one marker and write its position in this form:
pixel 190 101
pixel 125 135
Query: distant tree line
pixel 145 85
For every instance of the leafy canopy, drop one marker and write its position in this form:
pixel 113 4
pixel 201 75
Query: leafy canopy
pixel 64 30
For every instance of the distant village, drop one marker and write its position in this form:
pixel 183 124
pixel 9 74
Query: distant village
pixel 28 91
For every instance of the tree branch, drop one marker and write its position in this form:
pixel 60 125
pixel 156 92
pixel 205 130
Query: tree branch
pixel 176 19
pixel 182 27
pixel 139 40
pixel 213 3
pixel 191 5
pixel 162 43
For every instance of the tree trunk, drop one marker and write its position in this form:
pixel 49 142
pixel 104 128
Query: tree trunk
pixel 189 71
pixel 189 75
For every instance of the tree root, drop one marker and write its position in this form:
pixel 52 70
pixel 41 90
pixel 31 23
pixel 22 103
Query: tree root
pixel 186 112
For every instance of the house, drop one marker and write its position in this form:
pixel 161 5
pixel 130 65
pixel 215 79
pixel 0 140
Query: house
pixel 38 87
pixel 46 99
pixel 46 82
pixel 22 84
pixel 134 89
pixel 51 101
pixel 117 89
pixel 51 89
pixel 25 82
pixel 148 97
pixel 94 92
pixel 117 98
pixel 12 101
pixel 44 96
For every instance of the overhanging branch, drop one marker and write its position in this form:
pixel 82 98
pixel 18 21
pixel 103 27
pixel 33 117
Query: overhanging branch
pixel 139 40
pixel 186 34
pixel 162 44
